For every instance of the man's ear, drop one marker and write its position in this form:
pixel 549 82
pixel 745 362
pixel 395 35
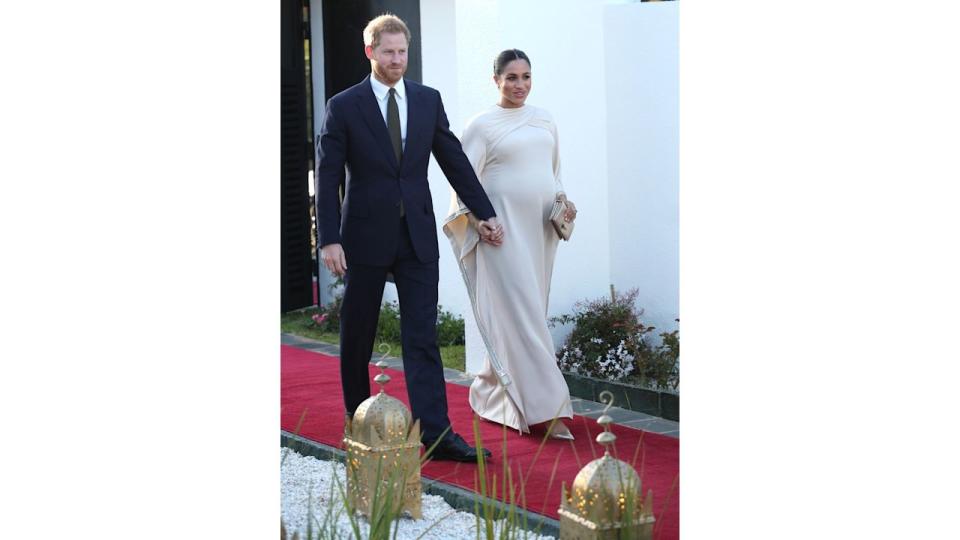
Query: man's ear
pixel 368 50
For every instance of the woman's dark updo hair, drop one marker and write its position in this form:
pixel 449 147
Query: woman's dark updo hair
pixel 506 57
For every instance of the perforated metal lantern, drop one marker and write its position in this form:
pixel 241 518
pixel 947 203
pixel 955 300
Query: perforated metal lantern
pixel 604 500
pixel 383 453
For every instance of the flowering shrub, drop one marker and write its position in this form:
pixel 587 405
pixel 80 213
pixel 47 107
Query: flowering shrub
pixel 327 318
pixel 609 342
pixel 599 361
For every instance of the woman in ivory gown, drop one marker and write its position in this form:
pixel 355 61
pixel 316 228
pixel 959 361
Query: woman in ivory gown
pixel 513 148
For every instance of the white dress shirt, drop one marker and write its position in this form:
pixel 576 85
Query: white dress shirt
pixel 382 93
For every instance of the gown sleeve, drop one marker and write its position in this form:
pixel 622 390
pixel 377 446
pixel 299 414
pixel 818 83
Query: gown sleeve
pixel 557 177
pixel 475 147
pixel 464 238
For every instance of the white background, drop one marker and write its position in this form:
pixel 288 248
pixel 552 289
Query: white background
pixel 139 216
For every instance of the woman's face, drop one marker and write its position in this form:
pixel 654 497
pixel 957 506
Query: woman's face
pixel 514 84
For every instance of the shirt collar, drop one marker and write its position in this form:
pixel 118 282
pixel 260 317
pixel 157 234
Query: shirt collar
pixel 380 90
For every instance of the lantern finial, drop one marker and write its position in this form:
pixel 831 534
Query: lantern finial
pixel 606 438
pixel 382 378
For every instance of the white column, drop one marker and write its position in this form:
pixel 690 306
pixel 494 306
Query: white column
pixel 319 106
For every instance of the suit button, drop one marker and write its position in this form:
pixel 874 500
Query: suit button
pixel 397 205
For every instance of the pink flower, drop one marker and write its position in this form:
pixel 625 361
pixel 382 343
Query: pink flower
pixel 319 318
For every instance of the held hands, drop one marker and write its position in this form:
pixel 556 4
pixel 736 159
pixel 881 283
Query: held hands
pixel 334 259
pixel 491 231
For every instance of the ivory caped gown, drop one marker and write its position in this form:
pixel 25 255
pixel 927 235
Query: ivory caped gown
pixel 515 155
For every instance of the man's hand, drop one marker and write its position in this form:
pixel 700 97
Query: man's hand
pixel 491 231
pixel 334 259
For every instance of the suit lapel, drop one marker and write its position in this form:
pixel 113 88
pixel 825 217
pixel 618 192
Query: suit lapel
pixel 370 110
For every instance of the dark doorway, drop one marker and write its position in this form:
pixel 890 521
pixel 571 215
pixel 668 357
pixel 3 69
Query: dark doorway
pixel 296 149
pixel 343 24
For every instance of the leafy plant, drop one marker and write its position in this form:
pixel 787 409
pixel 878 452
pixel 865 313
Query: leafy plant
pixel 450 328
pixel 388 327
pixel 327 318
pixel 664 363
pixel 610 342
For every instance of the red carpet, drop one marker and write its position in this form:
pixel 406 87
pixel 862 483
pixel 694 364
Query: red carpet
pixel 310 386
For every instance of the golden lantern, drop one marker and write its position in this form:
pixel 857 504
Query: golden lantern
pixel 383 454
pixel 604 500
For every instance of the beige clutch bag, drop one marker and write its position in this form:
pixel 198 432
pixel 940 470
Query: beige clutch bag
pixel 563 228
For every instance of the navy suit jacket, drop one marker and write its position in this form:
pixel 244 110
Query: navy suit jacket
pixel 355 135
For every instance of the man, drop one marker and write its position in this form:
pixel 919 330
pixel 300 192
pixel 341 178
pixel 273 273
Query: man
pixel 383 130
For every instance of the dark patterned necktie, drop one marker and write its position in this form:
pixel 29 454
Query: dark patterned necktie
pixel 393 126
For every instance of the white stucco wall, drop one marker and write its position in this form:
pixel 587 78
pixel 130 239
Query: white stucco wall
pixel 643 155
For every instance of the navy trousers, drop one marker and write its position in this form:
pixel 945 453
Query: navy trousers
pixel 417 290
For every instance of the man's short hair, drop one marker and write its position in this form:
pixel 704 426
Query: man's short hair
pixel 387 22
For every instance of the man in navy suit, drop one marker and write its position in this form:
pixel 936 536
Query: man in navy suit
pixel 376 140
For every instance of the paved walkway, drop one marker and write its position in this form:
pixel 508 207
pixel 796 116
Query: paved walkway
pixel 583 407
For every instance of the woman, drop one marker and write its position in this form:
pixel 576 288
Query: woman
pixel 513 148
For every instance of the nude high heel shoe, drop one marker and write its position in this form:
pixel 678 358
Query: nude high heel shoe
pixel 560 431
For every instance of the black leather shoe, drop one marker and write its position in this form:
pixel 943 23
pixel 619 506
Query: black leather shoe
pixel 453 448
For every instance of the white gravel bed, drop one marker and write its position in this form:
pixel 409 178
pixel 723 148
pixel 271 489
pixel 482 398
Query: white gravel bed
pixel 308 491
